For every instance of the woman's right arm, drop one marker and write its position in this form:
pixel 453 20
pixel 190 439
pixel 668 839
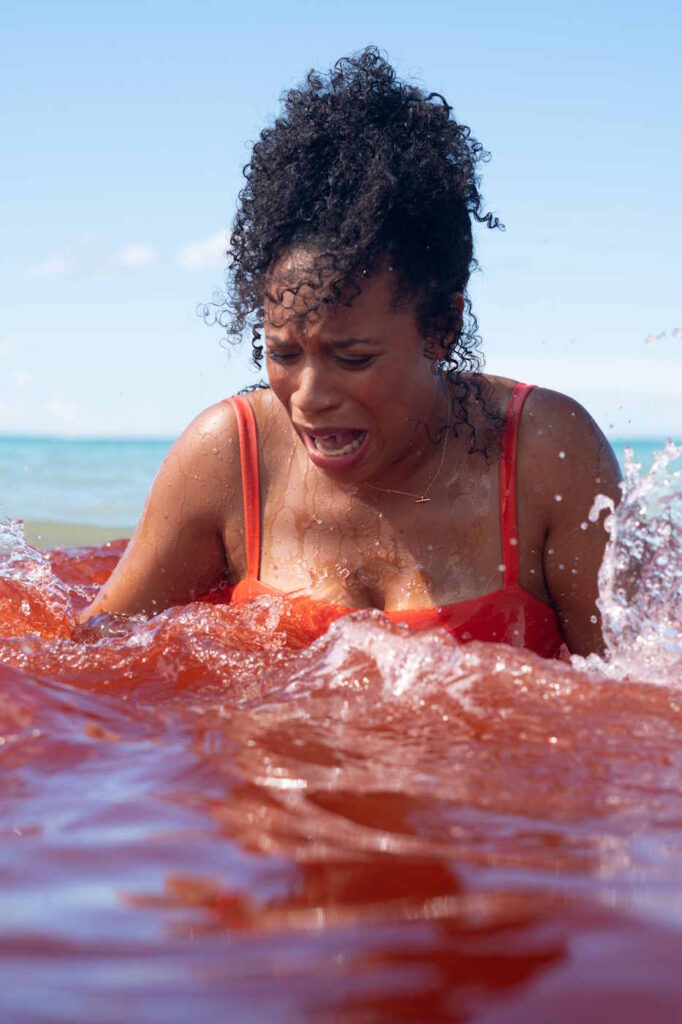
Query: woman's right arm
pixel 177 551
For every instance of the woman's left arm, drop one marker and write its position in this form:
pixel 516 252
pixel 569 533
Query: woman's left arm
pixel 573 462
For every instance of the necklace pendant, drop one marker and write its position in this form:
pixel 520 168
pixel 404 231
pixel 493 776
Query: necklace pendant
pixel 420 501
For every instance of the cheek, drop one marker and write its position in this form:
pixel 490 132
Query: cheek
pixel 278 380
pixel 405 395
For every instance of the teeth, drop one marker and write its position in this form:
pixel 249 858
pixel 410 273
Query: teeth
pixel 338 452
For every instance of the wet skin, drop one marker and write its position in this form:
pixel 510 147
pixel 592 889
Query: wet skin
pixel 338 532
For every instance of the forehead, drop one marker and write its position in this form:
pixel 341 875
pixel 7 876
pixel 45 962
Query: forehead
pixel 301 292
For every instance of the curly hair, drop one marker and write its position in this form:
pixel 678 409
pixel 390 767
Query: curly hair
pixel 361 167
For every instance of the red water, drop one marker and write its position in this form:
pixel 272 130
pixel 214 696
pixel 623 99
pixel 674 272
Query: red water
pixel 201 823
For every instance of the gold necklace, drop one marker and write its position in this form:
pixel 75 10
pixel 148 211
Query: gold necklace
pixel 419 499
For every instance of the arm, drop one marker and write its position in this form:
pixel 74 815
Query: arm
pixel 177 551
pixel 570 457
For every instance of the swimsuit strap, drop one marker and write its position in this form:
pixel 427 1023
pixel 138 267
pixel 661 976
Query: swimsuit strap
pixel 508 507
pixel 248 453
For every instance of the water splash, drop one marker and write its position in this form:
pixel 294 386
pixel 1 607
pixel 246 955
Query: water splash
pixel 392 798
pixel 33 599
pixel 640 579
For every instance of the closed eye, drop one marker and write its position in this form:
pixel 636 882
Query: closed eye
pixel 354 363
pixel 348 362
pixel 282 357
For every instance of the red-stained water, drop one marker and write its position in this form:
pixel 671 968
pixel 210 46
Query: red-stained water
pixel 200 822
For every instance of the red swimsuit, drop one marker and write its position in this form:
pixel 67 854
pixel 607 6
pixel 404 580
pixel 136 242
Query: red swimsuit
pixel 509 615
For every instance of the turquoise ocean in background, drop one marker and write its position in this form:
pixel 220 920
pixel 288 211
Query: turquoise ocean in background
pixel 75 492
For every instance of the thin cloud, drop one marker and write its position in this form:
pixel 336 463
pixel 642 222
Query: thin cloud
pixel 20 379
pixel 208 252
pixel 54 267
pixel 136 255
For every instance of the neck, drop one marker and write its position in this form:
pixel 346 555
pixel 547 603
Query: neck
pixel 412 471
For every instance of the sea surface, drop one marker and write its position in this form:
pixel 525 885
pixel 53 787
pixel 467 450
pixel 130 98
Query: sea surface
pixel 201 820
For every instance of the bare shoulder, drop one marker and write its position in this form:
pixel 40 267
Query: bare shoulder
pixel 563 459
pixel 563 446
pixel 206 457
pixel 268 411
pixel 563 463
pixel 210 446
pixel 180 548
pixel 559 417
pixel 549 418
pixel 275 433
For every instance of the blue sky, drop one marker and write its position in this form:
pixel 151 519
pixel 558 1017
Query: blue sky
pixel 124 129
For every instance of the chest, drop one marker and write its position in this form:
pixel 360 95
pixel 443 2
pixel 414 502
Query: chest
pixel 380 550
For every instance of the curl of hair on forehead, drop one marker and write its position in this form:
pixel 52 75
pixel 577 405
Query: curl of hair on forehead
pixel 364 170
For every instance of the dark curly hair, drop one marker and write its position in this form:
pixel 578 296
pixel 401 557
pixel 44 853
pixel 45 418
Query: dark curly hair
pixel 361 167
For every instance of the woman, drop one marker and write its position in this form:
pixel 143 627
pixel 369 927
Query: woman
pixel 381 468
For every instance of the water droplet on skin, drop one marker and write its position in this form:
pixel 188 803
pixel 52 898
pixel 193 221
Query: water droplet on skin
pixel 553 740
pixel 562 455
pixel 501 567
pixel 593 619
pixel 561 566
pixel 558 497
pixel 583 526
pixel 600 503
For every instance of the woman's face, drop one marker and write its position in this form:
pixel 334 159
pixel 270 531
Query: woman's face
pixel 354 379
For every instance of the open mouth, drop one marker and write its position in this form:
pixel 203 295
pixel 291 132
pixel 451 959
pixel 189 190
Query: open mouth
pixel 336 449
pixel 344 442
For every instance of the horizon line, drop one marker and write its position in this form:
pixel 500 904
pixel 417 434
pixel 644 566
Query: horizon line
pixel 157 438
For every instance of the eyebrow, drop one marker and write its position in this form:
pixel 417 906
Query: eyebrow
pixel 341 343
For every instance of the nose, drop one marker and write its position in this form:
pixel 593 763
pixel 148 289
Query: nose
pixel 314 391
